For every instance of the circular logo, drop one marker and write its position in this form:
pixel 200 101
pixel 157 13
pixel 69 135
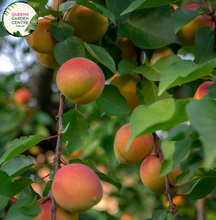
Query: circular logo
pixel 20 19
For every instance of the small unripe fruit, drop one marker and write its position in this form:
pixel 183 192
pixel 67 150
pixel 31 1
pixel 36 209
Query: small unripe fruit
pixel 139 149
pixel 126 84
pixel 22 96
pixel 61 214
pixel 88 25
pixel 80 80
pixel 76 188
pixel 187 33
pixel 42 40
pixel 150 171
pixel 48 60
pixel 202 91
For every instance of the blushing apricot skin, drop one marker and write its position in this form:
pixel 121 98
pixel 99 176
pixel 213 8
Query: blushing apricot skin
pixel 80 80
pixel 76 188
pixel 61 214
pixel 22 96
pixel 149 173
pixel 139 149
pixel 126 84
pixel 129 50
pixel 187 33
pixel 42 40
pixel 202 91
pixel 89 25
pixel 48 60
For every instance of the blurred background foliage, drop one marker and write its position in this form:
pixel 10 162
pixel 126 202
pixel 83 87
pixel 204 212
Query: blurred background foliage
pixel 20 68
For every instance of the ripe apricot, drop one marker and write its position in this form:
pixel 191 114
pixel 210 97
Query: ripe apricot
pixel 42 40
pixel 126 217
pixel 61 214
pixel 76 188
pixel 22 96
pixel 88 25
pixel 139 149
pixel 80 80
pixel 202 91
pixel 149 173
pixel 129 50
pixel 126 84
pixel 187 33
pixel 48 60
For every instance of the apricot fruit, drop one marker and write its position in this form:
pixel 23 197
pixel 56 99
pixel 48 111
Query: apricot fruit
pixel 61 214
pixel 42 40
pixel 202 91
pixel 48 60
pixel 88 25
pixel 149 173
pixel 22 96
pixel 126 85
pixel 129 50
pixel 139 149
pixel 80 80
pixel 76 188
pixel 187 33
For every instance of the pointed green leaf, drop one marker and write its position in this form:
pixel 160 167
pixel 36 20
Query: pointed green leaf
pixel 17 165
pixel 155 71
pixel 21 184
pixel 182 17
pixel 159 214
pixel 183 177
pixel 66 6
pixel 18 146
pixel 203 119
pixel 184 71
pixel 101 55
pixel 147 93
pixel 150 28
pixel 160 115
pixel 31 209
pixel 112 101
pixel 126 66
pixel 70 48
pixel 205 172
pixel 204 45
pixel 6 189
pixel 77 131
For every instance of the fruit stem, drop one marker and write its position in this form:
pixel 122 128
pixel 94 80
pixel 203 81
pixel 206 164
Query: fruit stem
pixel 178 194
pixel 159 154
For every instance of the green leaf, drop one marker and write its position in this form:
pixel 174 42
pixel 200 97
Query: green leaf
pixel 150 28
pixel 182 17
pixel 183 177
pixel 47 188
pixel 77 132
pixel 98 8
pixel 3 31
pixel 184 71
pixel 6 189
pixel 126 66
pixel 112 101
pixel 18 146
pixel 204 45
pixel 16 210
pixel 27 193
pixel 205 172
pixel 203 119
pixel 212 91
pixel 202 188
pixel 70 48
pixel 141 4
pixel 66 6
pixel 160 115
pixel 101 175
pixel 147 93
pixel 33 23
pixel 17 165
pixel 62 30
pixel 155 71
pixel 159 214
pixel 21 184
pixel 116 7
pixel 100 54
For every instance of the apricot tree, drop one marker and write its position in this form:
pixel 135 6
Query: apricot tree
pixel 129 98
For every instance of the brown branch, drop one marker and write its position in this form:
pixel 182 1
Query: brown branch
pixel 42 178
pixel 159 154
pixel 43 165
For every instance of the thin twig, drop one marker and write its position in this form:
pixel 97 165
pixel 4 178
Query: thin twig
pixel 52 136
pixel 43 165
pixel 176 187
pixel 42 178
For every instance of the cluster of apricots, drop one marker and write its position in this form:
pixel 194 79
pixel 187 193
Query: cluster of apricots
pixel 141 149
pixel 71 193
pixel 88 25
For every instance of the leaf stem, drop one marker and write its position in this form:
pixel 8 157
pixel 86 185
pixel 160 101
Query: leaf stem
pixel 42 178
pixel 176 187
pixel 47 138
